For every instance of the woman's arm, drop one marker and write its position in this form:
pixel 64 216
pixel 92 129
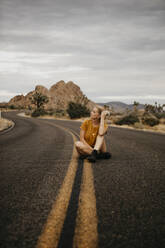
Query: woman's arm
pixel 102 128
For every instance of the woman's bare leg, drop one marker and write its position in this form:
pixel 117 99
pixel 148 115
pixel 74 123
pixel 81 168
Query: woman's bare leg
pixel 104 147
pixel 99 143
pixel 82 148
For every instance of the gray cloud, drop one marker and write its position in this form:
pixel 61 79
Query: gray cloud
pixel 111 48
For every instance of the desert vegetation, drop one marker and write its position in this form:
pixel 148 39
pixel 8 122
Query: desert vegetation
pixel 129 119
pixel 77 110
pixel 151 117
pixel 38 100
pixel 74 105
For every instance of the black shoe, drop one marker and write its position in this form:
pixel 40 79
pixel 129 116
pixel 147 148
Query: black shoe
pixel 83 156
pixel 104 155
pixel 93 156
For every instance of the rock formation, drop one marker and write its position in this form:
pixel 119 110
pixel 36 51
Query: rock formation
pixel 59 95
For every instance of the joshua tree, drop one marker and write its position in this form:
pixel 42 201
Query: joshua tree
pixel 160 108
pixel 135 104
pixel 163 106
pixel 85 100
pixel 38 99
pixel 127 111
pixel 112 109
pixel 153 108
pixel 149 108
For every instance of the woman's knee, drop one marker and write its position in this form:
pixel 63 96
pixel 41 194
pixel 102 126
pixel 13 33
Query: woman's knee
pixel 78 144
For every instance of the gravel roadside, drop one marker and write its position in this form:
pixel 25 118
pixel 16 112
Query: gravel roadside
pixel 5 124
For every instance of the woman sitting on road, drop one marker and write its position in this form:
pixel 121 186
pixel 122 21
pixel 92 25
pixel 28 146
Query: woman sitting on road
pixel 92 143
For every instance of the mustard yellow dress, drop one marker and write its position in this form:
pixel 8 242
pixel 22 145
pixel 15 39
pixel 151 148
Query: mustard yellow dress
pixel 91 131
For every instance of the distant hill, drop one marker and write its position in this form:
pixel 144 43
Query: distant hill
pixel 3 104
pixel 120 106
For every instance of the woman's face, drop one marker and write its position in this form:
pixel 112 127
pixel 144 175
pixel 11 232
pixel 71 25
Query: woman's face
pixel 95 114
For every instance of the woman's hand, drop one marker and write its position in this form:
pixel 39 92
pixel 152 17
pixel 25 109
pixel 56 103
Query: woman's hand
pixel 104 113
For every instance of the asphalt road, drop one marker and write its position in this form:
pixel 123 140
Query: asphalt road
pixel 129 188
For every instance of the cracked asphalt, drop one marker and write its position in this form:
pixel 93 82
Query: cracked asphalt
pixel 129 188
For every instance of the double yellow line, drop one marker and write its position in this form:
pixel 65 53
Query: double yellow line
pixel 85 235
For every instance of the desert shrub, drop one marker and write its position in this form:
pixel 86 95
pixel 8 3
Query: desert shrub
pixel 127 120
pixel 162 121
pixel 38 112
pixel 20 107
pixel 60 112
pixel 77 110
pixel 50 112
pixel 30 107
pixel 150 121
pixel 12 106
pixel 138 125
pixel 3 106
pixel 160 115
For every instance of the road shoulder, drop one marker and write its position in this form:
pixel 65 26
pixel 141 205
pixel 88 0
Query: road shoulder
pixel 6 125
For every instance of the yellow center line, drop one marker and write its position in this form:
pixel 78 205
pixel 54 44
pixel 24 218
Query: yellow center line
pixel 51 232
pixel 86 235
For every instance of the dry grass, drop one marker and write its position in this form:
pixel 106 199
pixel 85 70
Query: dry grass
pixel 4 124
pixel 159 128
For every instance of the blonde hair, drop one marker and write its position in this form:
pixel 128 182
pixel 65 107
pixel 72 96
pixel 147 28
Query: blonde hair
pixel 100 109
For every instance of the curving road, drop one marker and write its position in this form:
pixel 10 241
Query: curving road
pixel 129 189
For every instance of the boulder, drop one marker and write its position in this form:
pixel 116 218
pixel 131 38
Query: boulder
pixel 59 95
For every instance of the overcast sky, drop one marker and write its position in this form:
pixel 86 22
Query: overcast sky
pixel 113 49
